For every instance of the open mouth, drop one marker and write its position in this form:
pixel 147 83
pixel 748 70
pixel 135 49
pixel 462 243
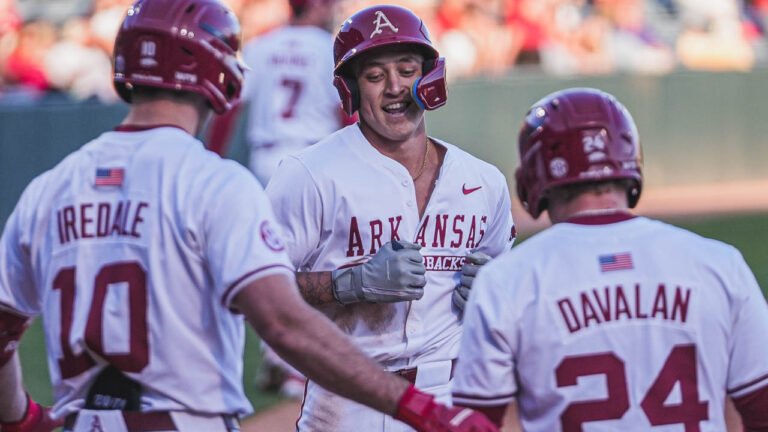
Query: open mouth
pixel 396 107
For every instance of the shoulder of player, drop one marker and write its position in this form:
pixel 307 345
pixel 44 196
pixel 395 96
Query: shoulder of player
pixel 506 276
pixel 467 159
pixel 693 243
pixel 329 150
pixel 210 167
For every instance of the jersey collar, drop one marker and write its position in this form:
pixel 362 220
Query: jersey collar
pixel 137 128
pixel 601 218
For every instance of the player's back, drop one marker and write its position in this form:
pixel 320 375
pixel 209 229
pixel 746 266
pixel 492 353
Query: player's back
pixel 131 267
pixel 292 96
pixel 624 326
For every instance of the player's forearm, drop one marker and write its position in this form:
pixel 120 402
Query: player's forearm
pixel 13 399
pixel 325 355
pixel 316 287
pixel 316 347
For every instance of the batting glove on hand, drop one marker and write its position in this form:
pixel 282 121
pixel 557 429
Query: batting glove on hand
pixel 36 419
pixel 420 411
pixel 396 273
pixel 472 264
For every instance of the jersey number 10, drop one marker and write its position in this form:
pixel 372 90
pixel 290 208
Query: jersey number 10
pixel 680 367
pixel 137 358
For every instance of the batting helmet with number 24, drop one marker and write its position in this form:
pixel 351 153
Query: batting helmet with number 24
pixel 578 135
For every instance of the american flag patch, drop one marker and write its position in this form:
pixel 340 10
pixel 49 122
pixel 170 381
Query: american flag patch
pixel 109 176
pixel 619 261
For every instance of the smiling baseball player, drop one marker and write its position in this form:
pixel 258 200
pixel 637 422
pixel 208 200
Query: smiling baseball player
pixel 386 225
pixel 608 321
pixel 145 257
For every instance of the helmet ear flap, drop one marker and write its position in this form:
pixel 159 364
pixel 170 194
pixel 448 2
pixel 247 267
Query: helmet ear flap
pixel 349 94
pixel 430 91
pixel 522 193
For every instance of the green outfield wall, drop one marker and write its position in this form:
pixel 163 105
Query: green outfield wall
pixel 695 127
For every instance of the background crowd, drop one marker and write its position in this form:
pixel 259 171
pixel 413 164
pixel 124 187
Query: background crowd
pixel 65 45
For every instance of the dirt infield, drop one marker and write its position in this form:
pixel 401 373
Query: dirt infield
pixel 679 201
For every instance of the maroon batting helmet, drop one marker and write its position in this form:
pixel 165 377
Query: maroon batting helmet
pixel 572 136
pixel 381 26
pixel 185 45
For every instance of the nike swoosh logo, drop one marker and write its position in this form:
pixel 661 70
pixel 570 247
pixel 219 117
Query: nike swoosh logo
pixel 470 190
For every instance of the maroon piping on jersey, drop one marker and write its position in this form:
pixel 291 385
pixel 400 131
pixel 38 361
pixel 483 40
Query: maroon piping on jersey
pixel 138 128
pixel 602 219
pixel 749 384
pixel 236 283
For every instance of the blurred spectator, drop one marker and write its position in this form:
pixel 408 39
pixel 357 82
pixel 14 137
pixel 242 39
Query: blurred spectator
pixel 24 65
pixel 67 44
pixel 713 36
pixel 260 16
pixel 54 11
pixel 474 38
pixel 105 22
pixel 632 43
pixel 10 22
pixel 575 41
pixel 79 64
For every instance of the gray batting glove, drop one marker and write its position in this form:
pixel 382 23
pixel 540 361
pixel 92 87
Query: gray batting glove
pixel 396 273
pixel 472 264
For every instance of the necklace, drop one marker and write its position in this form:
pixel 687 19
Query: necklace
pixel 423 163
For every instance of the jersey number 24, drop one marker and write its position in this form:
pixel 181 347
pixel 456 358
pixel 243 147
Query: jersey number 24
pixel 680 367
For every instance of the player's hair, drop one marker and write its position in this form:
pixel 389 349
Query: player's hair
pixel 298 9
pixel 145 92
pixel 569 192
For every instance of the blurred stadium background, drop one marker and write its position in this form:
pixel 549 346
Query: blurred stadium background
pixel 693 73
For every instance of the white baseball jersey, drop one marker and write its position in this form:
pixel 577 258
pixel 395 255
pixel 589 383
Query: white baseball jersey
pixel 290 92
pixel 132 249
pixel 340 200
pixel 613 323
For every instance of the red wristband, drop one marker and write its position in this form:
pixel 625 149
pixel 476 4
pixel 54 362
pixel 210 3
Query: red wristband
pixel 414 405
pixel 31 416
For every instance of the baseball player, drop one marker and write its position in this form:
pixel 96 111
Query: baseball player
pixel 291 99
pixel 386 225
pixel 606 320
pixel 144 257
pixel 292 104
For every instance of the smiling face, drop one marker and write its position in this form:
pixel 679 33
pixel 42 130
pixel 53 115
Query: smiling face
pixel 384 78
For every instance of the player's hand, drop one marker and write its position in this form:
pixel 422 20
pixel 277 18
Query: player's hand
pixel 36 419
pixel 472 264
pixel 420 411
pixel 396 273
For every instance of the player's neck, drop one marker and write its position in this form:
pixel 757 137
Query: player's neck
pixel 588 204
pixel 149 113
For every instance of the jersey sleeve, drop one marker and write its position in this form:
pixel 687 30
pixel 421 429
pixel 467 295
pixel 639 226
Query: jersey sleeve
pixel 748 365
pixel 17 287
pixel 242 242
pixel 298 206
pixel 501 231
pixel 485 370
